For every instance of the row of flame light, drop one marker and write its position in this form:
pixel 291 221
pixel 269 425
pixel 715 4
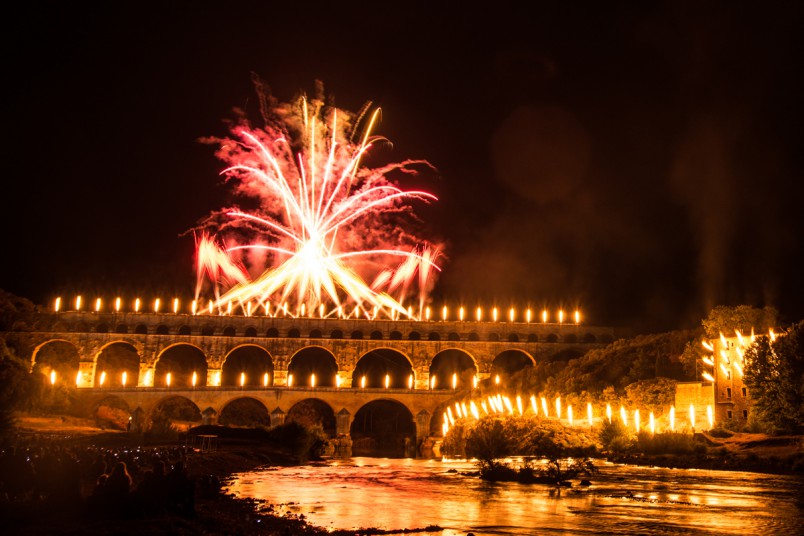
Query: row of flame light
pixel 283 310
pixel 726 364
pixel 148 380
pixel 502 405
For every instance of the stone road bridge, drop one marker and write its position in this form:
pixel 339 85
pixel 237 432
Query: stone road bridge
pixel 358 378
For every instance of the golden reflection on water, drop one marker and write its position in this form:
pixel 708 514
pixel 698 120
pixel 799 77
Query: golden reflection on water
pixel 399 494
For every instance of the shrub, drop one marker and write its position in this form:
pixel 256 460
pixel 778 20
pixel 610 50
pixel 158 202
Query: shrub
pixel 665 443
pixel 615 438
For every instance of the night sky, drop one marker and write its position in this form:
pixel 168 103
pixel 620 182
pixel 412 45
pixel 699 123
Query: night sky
pixel 639 160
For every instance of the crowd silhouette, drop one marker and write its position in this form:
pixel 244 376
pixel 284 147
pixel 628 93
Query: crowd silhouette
pixel 100 481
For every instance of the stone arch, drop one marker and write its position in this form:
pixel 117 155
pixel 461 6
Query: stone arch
pixel 552 337
pixel 376 335
pixel 175 411
pixel 589 338
pixel 313 360
pixel 251 331
pixel 111 412
pixel 294 333
pixel 141 329
pixel 162 329
pixel 253 361
pixel 336 334
pixel 229 331
pixel 385 428
pixel 313 412
pixel 57 355
pixel 451 362
pixel 395 335
pixel 121 329
pixel 375 364
pixel 414 336
pixel 207 331
pixel 185 330
pixel 453 336
pixel 356 334
pixel 272 333
pixel 433 336
pixel 244 411
pixel 509 362
pixel 494 337
pixel 316 334
pixel 102 327
pixel 115 359
pixel 513 337
pixel 181 360
pixel 473 337
pixel 532 337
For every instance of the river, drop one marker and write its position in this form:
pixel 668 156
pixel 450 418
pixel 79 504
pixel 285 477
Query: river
pixel 409 493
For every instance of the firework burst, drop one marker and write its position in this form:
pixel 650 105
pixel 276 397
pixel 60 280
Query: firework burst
pixel 324 224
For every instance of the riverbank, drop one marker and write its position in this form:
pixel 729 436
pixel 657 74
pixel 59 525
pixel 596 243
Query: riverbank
pixel 215 511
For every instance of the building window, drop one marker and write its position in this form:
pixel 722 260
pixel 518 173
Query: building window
pixel 745 414
pixel 728 393
pixel 728 414
pixel 745 392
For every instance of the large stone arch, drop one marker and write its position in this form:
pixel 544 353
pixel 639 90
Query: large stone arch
pixel 56 355
pixel 115 359
pixel 250 360
pixel 244 411
pixel 313 360
pixel 111 412
pixel 384 427
pixel 449 362
pixel 176 411
pixel 509 362
pixel 375 364
pixel 313 412
pixel 181 360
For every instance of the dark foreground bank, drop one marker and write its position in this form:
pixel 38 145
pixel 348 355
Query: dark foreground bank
pixel 51 484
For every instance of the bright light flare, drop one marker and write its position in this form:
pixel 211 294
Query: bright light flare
pixel 589 413
pixel 672 418
pixel 710 417
pixel 608 412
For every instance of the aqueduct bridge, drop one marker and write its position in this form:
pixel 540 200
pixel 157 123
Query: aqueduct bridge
pixel 346 366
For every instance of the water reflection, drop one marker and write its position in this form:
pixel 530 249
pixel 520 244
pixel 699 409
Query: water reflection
pixel 407 493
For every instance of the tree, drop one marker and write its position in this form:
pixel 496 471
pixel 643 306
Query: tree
pixel 651 395
pixel 725 319
pixel 17 386
pixel 774 374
